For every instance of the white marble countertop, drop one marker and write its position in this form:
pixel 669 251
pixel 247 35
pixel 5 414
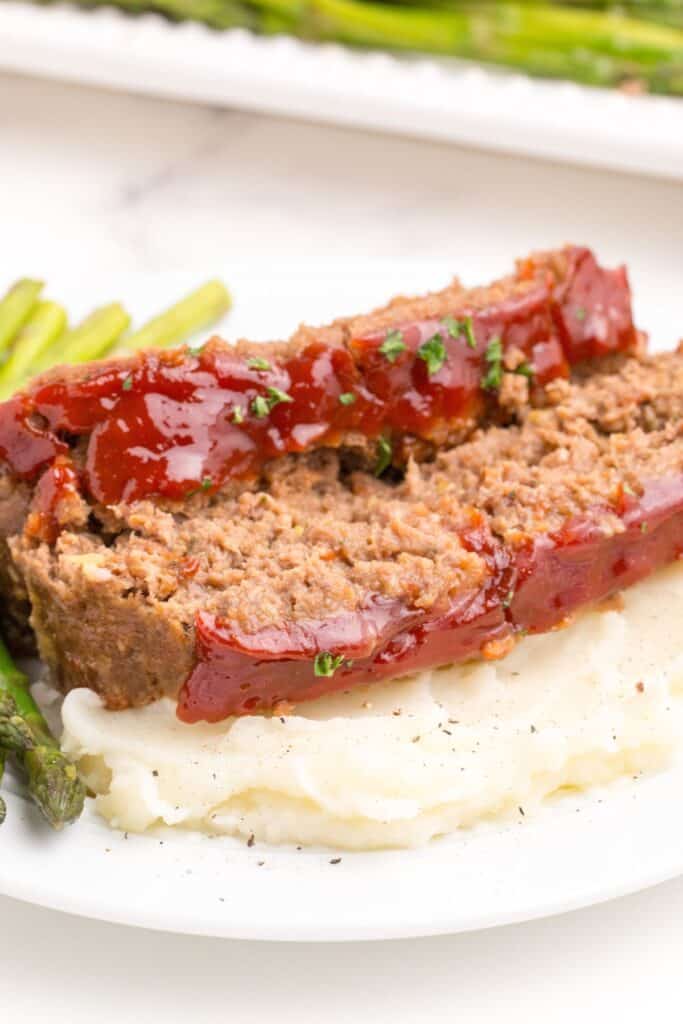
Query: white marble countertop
pixel 108 181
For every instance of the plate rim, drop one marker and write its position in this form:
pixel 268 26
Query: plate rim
pixel 440 918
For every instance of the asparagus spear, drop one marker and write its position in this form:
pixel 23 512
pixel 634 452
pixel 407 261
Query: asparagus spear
pixel 665 12
pixel 45 325
pixel 590 46
pixel 16 307
pixel 196 311
pixel 53 781
pixel 92 339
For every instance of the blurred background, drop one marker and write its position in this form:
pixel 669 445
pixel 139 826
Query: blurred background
pixel 635 45
pixel 592 82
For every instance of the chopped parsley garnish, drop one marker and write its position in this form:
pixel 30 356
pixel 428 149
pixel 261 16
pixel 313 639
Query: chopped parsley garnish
pixel 256 363
pixel 469 332
pixel 205 485
pixel 494 358
pixel 393 345
pixel 507 600
pixel 458 328
pixel 580 313
pixel 237 414
pixel 347 398
pixel 433 353
pixel 644 527
pixel 262 405
pixel 525 370
pixel 326 664
pixel 127 384
pixel 275 397
pixel 384 453
pixel 454 327
pixel 627 489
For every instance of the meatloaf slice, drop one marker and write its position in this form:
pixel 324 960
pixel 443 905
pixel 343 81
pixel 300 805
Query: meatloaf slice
pixel 315 577
pixel 399 383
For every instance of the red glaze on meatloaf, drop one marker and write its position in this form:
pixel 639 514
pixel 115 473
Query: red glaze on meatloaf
pixel 414 376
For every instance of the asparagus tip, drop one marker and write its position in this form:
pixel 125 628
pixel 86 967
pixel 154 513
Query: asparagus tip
pixel 54 785
pixel 15 733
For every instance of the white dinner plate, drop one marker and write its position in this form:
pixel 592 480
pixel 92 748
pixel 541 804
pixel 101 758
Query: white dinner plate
pixel 438 99
pixel 577 851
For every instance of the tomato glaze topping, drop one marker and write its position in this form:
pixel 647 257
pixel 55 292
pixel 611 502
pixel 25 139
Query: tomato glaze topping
pixel 170 423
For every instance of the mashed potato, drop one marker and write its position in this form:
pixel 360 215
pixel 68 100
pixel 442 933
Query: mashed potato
pixel 401 762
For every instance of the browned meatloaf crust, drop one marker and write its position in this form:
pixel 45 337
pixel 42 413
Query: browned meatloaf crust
pixel 114 599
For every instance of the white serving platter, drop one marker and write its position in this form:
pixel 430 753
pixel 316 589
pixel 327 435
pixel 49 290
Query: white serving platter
pixel 445 100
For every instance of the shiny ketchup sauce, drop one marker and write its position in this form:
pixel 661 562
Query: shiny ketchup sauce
pixel 168 423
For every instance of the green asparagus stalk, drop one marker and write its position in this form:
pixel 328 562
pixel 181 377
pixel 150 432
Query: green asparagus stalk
pixel 590 46
pixel 623 38
pixel 53 781
pixel 43 342
pixel 192 314
pixel 664 12
pixel 15 309
pixel 92 339
pixel 43 328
